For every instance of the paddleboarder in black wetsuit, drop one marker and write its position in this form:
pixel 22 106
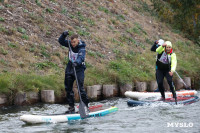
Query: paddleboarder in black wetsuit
pixel 166 65
pixel 77 60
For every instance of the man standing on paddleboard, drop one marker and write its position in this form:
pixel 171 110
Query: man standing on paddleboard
pixel 156 44
pixel 166 65
pixel 77 60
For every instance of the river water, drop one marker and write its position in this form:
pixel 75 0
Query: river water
pixel 157 118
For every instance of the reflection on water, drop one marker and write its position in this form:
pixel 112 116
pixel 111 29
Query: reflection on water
pixel 154 118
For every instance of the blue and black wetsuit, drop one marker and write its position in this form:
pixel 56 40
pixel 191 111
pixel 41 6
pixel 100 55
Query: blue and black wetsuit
pixel 78 57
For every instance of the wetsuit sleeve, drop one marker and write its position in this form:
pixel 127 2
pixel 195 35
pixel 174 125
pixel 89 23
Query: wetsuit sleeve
pixel 81 56
pixel 62 41
pixel 154 47
pixel 160 49
pixel 173 62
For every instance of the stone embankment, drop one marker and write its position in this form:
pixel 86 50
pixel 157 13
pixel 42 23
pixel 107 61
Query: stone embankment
pixel 95 92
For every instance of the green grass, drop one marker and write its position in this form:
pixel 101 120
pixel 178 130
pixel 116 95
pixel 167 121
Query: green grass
pixel 120 17
pixel 188 58
pixel 126 71
pixel 36 18
pixel 2 61
pixel 32 49
pixel 23 1
pixel 26 37
pixel 3 29
pixel 95 54
pixel 91 22
pixel 46 65
pixel 128 68
pixel 137 29
pixel 21 30
pixel 91 53
pixel 11 45
pixel 83 32
pixel 38 2
pixel 54 1
pixel 72 16
pixel 2 19
pixel 80 16
pixel 101 8
pixel 9 6
pixel 100 54
pixel 49 10
pixel 98 76
pixel 25 10
pixel 10 82
pixel 3 51
pixel 64 10
pixel 5 83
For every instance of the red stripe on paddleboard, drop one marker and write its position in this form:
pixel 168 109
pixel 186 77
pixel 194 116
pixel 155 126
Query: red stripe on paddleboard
pixel 94 107
pixel 178 99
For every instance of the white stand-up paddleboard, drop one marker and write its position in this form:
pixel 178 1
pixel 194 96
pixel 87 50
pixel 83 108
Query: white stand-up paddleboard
pixel 33 119
pixel 143 95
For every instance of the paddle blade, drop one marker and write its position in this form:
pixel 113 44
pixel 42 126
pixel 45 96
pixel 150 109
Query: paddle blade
pixel 83 110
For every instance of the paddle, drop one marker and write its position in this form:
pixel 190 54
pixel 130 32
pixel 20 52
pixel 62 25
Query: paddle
pixel 82 106
pixel 169 69
pixel 183 81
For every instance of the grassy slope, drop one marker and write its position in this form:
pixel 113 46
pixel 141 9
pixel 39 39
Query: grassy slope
pixel 118 36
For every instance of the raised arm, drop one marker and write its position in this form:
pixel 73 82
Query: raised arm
pixel 63 41
pixel 160 49
pixel 154 47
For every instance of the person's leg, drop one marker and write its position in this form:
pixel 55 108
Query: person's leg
pixel 157 90
pixel 80 77
pixel 171 85
pixel 69 80
pixel 160 77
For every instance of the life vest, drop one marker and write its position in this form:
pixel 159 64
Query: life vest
pixel 164 61
pixel 73 56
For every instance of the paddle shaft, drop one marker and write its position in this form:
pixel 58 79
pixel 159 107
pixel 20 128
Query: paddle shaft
pixel 82 106
pixel 182 80
pixel 169 70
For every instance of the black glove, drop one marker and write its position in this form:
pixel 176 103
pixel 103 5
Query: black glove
pixel 74 64
pixel 66 33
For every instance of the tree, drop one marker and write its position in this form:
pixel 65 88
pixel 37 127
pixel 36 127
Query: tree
pixel 182 14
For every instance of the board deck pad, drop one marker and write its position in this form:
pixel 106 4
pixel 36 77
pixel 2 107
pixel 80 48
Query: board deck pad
pixel 178 99
pixel 92 108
